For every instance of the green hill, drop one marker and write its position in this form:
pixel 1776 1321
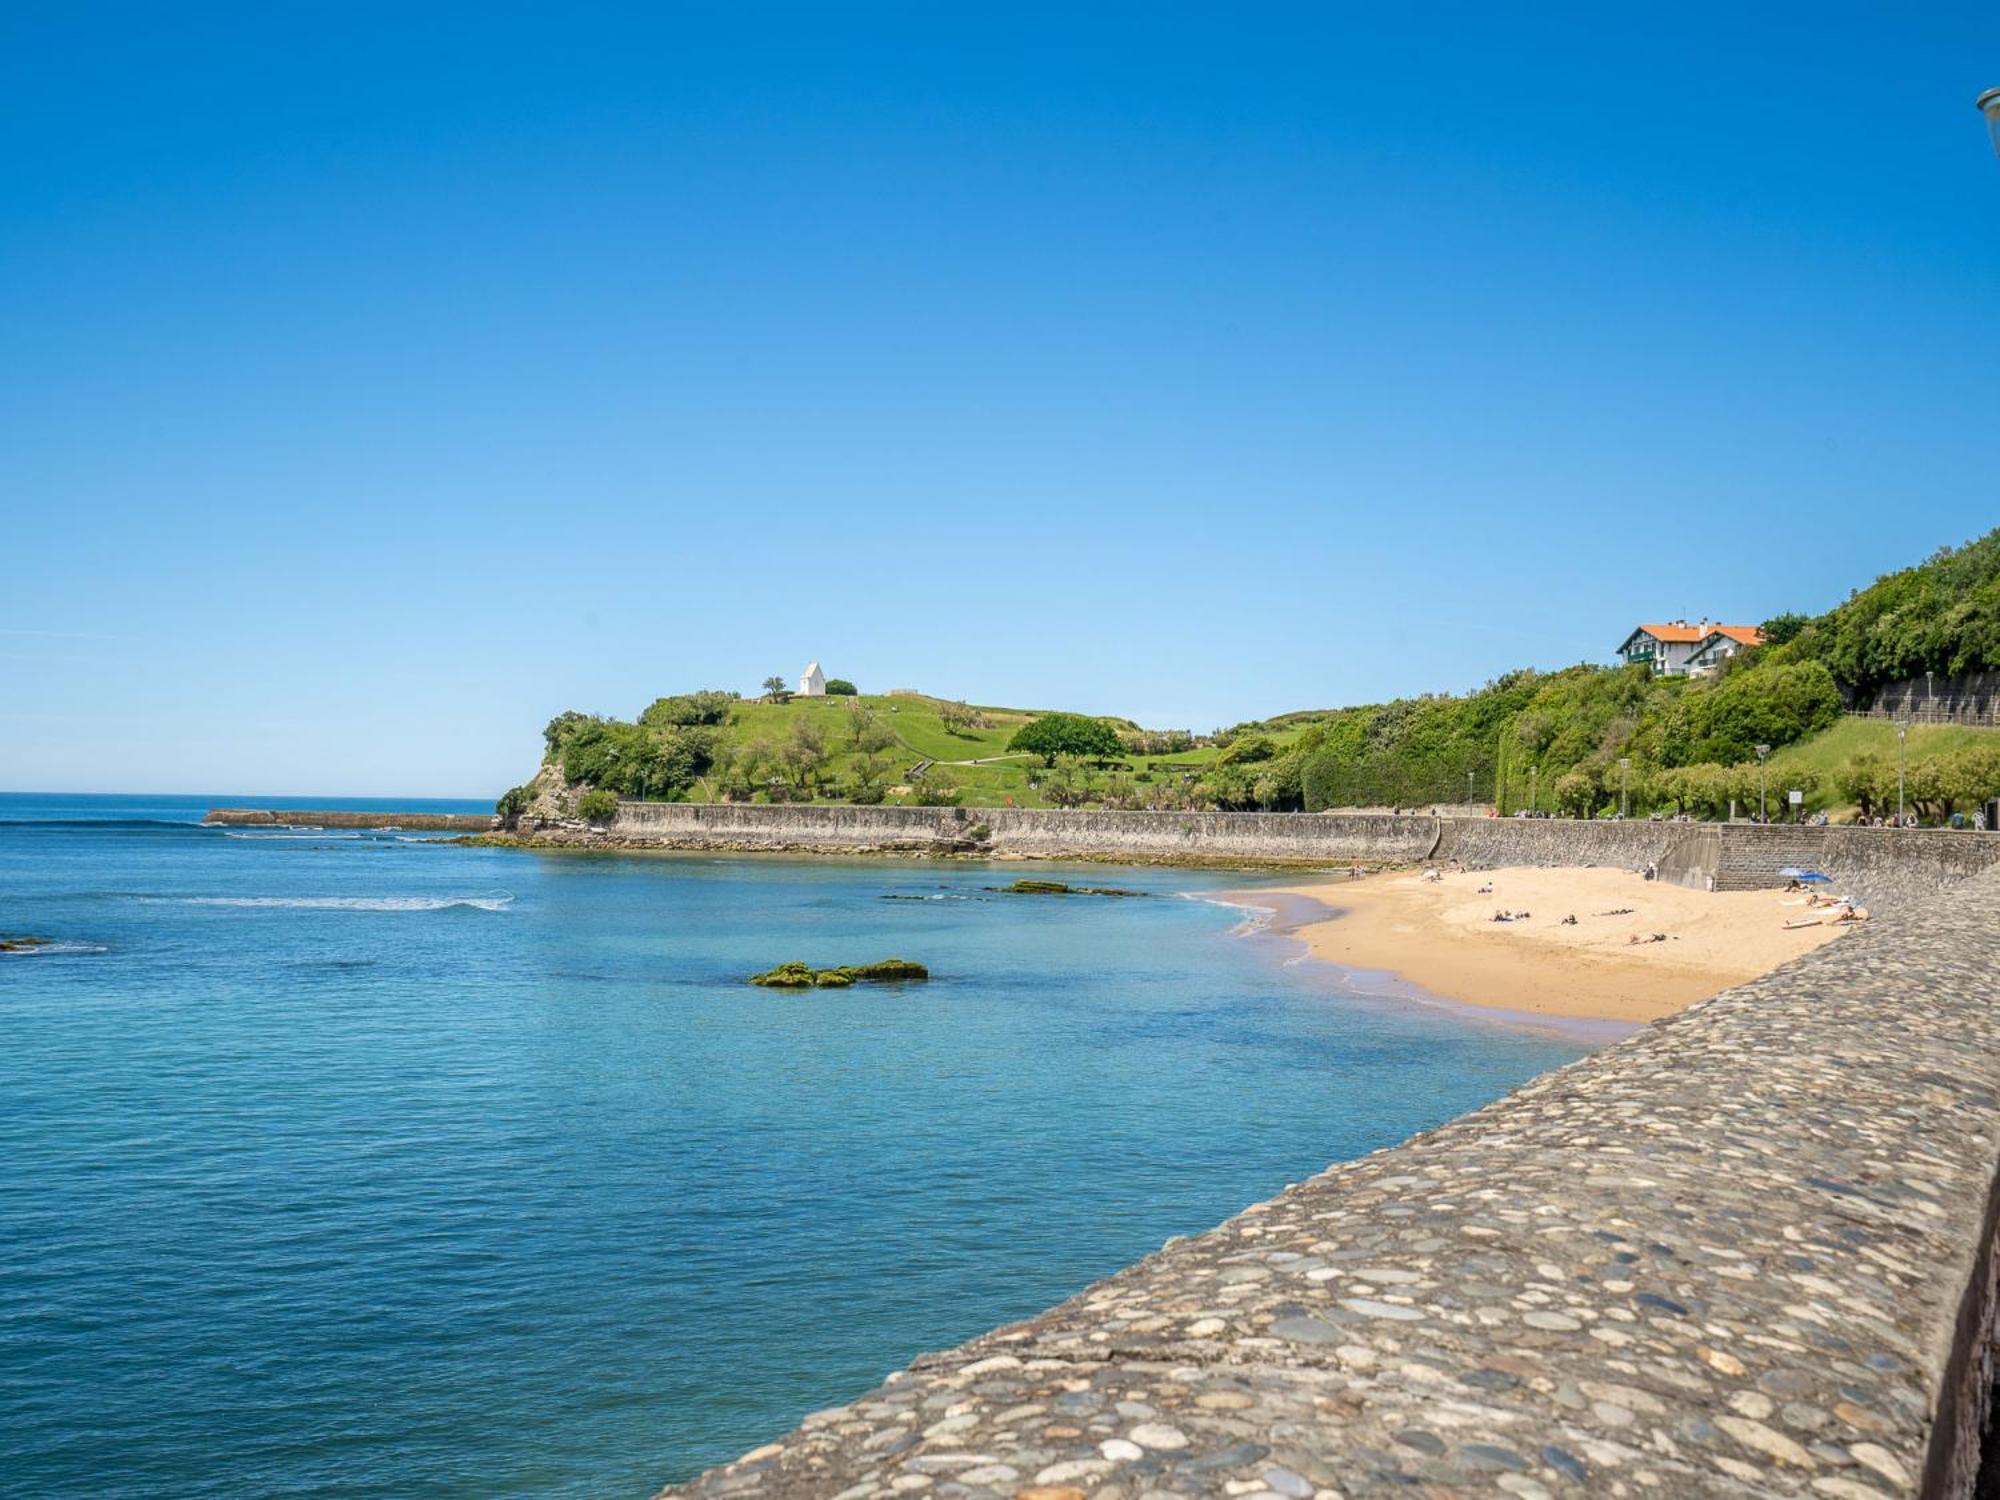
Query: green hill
pixel 1567 741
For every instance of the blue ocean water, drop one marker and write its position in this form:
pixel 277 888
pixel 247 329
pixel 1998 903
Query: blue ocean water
pixel 350 1164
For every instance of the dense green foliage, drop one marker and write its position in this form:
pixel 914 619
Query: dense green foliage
pixel 514 801
pixel 684 710
pixel 1057 734
pixel 1934 786
pixel 599 806
pixel 634 760
pixel 840 687
pixel 1941 616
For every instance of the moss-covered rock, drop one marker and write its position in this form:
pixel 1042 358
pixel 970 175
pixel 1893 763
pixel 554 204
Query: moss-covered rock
pixel 22 943
pixel 888 970
pixel 1059 888
pixel 802 976
pixel 791 976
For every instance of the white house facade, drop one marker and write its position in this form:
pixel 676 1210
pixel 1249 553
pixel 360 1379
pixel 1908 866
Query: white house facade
pixel 1721 643
pixel 1670 649
pixel 812 682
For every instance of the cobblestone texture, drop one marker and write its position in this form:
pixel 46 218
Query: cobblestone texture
pixel 1726 1257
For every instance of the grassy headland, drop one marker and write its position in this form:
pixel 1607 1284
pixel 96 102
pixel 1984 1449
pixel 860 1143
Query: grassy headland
pixel 1568 741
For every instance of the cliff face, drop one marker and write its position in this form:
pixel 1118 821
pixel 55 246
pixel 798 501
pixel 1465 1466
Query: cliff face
pixel 553 802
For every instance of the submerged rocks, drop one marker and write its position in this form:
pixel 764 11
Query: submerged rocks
pixel 803 976
pixel 22 944
pixel 1060 888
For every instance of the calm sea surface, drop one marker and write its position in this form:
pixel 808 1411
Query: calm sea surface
pixel 348 1164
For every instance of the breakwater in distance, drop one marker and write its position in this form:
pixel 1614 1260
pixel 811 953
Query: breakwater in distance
pixel 262 817
pixel 1876 863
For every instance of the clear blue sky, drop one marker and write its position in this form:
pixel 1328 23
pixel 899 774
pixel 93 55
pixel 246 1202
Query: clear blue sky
pixel 377 381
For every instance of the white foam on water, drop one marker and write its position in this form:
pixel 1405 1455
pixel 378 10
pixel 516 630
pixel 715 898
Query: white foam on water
pixel 489 901
pixel 51 948
pixel 277 837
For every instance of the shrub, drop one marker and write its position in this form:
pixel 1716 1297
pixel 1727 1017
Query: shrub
pixel 937 790
pixel 866 795
pixel 840 687
pixel 514 801
pixel 1248 750
pixel 709 706
pixel 599 806
pixel 1066 734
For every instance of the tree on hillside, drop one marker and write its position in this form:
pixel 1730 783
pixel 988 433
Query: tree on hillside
pixel 1247 750
pixel 776 687
pixel 872 736
pixel 840 687
pixel 961 719
pixel 1780 629
pixel 1066 734
pixel 804 751
pixel 709 706
pixel 563 725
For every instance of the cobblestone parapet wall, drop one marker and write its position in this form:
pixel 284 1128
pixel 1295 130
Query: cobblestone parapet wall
pixel 1742 1253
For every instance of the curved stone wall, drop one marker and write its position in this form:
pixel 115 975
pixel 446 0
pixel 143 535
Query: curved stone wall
pixel 1877 862
pixel 1745 1252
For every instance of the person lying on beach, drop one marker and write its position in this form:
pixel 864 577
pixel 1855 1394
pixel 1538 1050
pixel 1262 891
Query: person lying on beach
pixel 1510 916
pixel 1658 937
pixel 1616 911
pixel 1486 889
pixel 1570 920
pixel 1432 877
pixel 1852 914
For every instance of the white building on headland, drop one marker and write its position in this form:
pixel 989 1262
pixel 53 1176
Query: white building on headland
pixel 812 683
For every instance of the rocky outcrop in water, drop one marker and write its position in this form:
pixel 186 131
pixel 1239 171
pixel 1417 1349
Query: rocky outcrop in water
pixel 803 976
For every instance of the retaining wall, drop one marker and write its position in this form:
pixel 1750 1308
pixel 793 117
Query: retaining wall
pixel 1745 1253
pixel 1879 863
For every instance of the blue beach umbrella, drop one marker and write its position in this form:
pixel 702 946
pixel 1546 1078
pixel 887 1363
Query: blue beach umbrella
pixel 1793 872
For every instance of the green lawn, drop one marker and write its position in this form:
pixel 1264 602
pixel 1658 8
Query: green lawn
pixel 1829 751
pixel 921 735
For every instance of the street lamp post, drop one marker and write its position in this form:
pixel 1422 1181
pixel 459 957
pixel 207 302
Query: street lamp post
pixel 1624 779
pixel 1989 106
pixel 1930 694
pixel 1468 791
pixel 1902 739
pixel 1762 751
pixel 1534 789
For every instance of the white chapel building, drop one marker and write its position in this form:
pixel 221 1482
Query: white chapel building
pixel 812 682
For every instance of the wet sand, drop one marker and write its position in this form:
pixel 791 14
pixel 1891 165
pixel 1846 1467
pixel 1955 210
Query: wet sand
pixel 1441 937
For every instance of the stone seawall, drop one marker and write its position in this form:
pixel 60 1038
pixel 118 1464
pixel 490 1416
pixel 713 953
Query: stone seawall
pixel 1746 1252
pixel 1878 863
pixel 262 817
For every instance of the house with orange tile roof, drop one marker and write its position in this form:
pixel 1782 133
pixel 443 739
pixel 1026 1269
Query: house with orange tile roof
pixel 1721 643
pixel 1670 649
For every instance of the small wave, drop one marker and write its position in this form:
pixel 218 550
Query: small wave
pixel 50 949
pixel 272 838
pixel 488 901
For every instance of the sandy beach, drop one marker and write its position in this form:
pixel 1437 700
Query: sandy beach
pixel 1441 937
